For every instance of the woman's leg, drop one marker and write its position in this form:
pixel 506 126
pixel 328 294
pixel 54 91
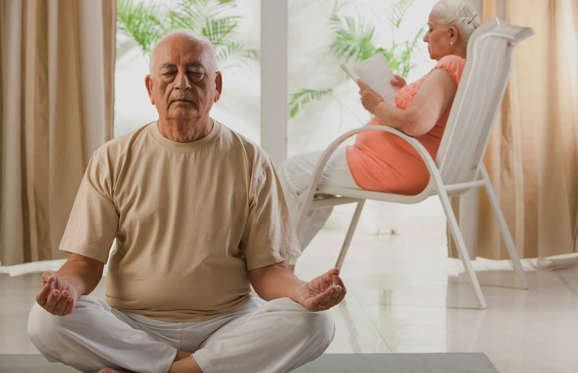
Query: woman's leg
pixel 296 173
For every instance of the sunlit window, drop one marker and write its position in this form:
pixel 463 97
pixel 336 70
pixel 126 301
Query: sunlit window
pixel 324 102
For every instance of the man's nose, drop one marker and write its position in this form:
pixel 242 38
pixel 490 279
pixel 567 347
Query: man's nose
pixel 182 81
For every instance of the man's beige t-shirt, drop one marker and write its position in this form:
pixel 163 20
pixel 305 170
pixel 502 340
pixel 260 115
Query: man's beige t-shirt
pixel 190 219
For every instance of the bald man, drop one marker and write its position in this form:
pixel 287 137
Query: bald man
pixel 198 216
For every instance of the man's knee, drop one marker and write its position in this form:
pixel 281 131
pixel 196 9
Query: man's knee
pixel 316 328
pixel 315 333
pixel 322 328
pixel 46 330
pixel 42 327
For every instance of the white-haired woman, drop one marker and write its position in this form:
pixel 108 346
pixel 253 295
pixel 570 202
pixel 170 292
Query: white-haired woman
pixel 381 161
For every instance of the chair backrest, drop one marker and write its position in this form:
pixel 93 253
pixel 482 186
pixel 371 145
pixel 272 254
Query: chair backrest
pixel 478 99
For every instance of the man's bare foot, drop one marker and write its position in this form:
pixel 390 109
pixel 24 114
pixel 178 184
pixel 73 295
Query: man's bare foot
pixel 180 355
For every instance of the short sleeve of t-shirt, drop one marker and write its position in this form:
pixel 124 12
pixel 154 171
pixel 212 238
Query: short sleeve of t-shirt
pixel 93 219
pixel 268 237
pixel 454 65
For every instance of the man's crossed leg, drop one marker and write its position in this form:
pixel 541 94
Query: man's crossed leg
pixel 259 336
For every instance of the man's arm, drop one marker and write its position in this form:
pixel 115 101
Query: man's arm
pixel 278 281
pixel 78 276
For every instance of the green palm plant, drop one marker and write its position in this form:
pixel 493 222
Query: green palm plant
pixel 353 37
pixel 145 24
pixel 400 61
pixel 398 11
pixel 305 96
pixel 353 43
pixel 140 23
pixel 204 17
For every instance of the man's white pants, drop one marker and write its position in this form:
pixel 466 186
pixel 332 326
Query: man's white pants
pixel 258 336
pixel 296 173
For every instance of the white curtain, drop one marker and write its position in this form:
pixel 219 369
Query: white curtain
pixel 532 157
pixel 56 107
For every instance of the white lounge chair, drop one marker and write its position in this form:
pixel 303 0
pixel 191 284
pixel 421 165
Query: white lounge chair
pixel 459 163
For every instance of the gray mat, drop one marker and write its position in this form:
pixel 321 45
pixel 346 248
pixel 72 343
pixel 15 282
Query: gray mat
pixel 401 363
pixel 334 363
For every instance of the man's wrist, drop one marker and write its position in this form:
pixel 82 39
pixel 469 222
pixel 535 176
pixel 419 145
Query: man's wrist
pixel 298 292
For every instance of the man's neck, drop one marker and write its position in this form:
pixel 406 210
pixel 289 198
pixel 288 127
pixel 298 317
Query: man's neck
pixel 185 131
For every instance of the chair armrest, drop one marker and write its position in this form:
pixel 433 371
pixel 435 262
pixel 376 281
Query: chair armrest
pixel 421 150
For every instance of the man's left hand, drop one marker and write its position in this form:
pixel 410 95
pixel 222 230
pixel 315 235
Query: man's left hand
pixel 323 292
pixel 369 98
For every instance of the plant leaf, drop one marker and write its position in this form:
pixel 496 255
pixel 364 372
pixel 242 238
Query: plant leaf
pixel 305 96
pixel 234 51
pixel 353 37
pixel 398 11
pixel 140 23
pixel 218 29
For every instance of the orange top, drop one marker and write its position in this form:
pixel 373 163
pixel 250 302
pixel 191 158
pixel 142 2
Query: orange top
pixel 384 162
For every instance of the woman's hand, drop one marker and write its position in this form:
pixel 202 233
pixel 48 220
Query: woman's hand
pixel 398 81
pixel 369 98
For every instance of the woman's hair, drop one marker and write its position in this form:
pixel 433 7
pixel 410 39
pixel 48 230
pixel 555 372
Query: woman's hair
pixel 458 13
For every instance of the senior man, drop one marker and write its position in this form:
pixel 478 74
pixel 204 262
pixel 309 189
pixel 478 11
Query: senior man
pixel 198 215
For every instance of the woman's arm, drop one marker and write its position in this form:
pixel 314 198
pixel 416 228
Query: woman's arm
pixel 428 105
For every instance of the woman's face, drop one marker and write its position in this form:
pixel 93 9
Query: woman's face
pixel 438 38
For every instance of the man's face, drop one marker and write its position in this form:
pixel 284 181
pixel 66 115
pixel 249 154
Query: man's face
pixel 183 83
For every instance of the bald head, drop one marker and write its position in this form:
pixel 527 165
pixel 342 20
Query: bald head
pixel 183 83
pixel 183 36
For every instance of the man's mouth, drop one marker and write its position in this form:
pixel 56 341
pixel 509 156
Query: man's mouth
pixel 181 100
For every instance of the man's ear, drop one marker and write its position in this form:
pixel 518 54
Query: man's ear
pixel 149 84
pixel 218 85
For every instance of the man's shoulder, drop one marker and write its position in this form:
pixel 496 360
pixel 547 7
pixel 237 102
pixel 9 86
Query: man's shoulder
pixel 251 149
pixel 119 146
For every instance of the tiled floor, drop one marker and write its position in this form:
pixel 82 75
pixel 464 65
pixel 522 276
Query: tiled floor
pixel 405 295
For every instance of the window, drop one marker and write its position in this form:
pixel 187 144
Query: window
pixel 324 102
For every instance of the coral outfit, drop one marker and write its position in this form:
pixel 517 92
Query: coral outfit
pixel 384 162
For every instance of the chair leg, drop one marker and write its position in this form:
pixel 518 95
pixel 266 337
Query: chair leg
pixel 504 230
pixel 457 234
pixel 349 235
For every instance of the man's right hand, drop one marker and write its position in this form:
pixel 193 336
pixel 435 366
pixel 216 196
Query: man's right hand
pixel 57 296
